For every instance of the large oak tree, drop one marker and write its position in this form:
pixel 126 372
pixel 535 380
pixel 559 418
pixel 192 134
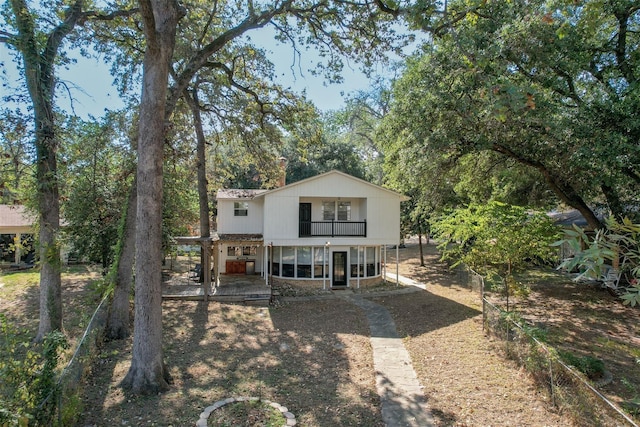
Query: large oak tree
pixel 551 86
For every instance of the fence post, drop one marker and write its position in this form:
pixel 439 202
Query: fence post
pixel 551 380
pixel 484 313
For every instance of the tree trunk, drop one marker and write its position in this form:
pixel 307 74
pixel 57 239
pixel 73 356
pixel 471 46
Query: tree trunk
pixel 118 321
pixel 201 163
pixel 203 196
pixel 615 205
pixel 147 373
pixel 421 251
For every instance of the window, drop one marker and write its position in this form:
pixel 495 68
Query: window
pixel 304 262
pixel 328 211
pixel 357 268
pixel 275 258
pixel 240 208
pixel 371 261
pixel 288 261
pixel 241 251
pixel 320 269
pixel 344 211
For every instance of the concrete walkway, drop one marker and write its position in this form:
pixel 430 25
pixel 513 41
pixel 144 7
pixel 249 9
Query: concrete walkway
pixel 403 402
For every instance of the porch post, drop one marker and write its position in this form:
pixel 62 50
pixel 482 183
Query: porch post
pixel 17 245
pixel 383 254
pixel 216 262
pixel 358 281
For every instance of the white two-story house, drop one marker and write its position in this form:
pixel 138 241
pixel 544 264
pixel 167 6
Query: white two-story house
pixel 329 231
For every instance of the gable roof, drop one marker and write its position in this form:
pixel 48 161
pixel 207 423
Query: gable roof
pixel 15 216
pixel 334 172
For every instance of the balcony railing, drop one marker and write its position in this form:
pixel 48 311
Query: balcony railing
pixel 332 228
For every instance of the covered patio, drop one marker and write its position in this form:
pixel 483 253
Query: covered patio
pixel 190 274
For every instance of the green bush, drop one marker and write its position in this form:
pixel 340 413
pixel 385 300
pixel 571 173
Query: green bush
pixel 591 366
pixel 28 387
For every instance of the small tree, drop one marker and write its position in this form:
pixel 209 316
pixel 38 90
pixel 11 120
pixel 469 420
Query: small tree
pixel 497 239
pixel 617 244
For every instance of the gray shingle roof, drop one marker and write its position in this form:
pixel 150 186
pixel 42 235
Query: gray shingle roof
pixel 15 216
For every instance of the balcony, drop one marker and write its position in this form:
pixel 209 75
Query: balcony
pixel 332 229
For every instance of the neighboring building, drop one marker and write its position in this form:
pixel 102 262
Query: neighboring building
pixel 328 231
pixel 16 236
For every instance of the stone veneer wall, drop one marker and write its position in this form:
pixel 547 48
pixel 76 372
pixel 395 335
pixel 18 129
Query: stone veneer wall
pixel 316 284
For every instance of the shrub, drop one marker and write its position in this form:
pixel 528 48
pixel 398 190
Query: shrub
pixel 591 366
pixel 28 387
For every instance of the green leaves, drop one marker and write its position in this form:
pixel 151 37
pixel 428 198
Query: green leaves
pixel 496 237
pixel 616 246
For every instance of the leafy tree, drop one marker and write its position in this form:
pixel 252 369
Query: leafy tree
pixel 305 160
pixel 36 37
pixel 497 239
pixel 98 164
pixel 538 84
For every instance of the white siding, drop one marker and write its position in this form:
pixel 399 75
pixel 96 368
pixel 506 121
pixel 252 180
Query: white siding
pixel 379 207
pixel 230 224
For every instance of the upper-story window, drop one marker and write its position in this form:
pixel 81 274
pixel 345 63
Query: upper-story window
pixel 329 209
pixel 344 211
pixel 240 208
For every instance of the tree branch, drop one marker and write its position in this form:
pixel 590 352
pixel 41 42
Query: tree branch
pixel 564 191
pixel 200 58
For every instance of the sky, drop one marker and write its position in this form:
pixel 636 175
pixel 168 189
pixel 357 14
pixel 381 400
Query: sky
pixel 91 85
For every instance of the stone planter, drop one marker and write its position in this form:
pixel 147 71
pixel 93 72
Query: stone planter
pixel 204 416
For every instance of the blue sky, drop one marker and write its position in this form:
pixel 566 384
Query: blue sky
pixel 91 85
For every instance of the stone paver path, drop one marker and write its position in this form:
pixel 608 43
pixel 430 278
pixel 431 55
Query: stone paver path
pixel 403 402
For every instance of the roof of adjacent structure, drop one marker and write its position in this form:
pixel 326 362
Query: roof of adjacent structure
pixel 237 193
pixel 230 237
pixel 15 216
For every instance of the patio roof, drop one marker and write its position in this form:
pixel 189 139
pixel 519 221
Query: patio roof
pixel 15 216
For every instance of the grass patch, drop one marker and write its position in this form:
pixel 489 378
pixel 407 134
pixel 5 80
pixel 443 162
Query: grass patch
pixel 10 282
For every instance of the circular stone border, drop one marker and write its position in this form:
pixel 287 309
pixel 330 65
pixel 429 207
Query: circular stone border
pixel 204 416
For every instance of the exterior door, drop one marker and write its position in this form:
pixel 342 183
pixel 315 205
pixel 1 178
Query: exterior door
pixel 339 269
pixel 304 219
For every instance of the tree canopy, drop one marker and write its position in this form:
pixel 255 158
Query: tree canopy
pixel 551 88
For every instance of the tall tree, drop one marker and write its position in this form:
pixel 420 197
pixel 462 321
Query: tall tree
pixel 148 373
pixel 37 42
pixel 97 164
pixel 39 52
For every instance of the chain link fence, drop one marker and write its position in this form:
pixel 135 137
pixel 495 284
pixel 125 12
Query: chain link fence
pixel 569 390
pixel 64 399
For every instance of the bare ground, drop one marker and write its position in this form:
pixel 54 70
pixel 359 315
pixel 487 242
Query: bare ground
pixel 314 357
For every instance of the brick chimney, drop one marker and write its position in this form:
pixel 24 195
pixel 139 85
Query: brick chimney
pixel 282 179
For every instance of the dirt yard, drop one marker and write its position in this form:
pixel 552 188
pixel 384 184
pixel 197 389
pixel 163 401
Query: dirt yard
pixel 314 357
